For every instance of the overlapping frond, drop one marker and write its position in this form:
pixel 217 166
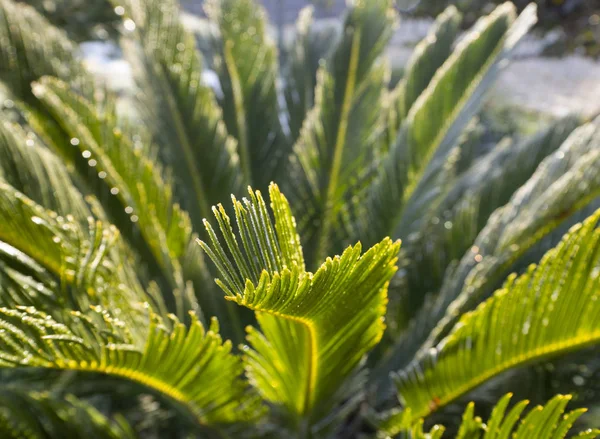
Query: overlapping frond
pixel 191 365
pixel 427 58
pixel 315 327
pixel 40 416
pixel 247 66
pixel 31 48
pixel 117 168
pixel 35 171
pixel 563 183
pixel 311 47
pixel 442 236
pixel 552 308
pixel 542 422
pixel 53 259
pixel 339 133
pixel 179 108
pixel 438 116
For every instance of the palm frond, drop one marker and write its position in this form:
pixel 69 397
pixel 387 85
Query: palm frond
pixel 542 422
pixel 179 109
pixel 311 47
pixel 31 48
pixel 117 168
pixel 443 234
pixel 565 182
pixel 340 131
pixel 40 416
pixel 246 63
pixel 54 259
pixel 190 365
pixel 523 322
pixel 426 59
pixel 313 336
pixel 32 169
pixel 438 116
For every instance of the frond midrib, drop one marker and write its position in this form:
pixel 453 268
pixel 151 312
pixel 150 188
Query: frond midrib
pixel 535 355
pixel 312 361
pixel 338 152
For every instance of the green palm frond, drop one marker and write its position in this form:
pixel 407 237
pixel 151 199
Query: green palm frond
pixel 179 109
pixel 340 131
pixel 523 322
pixel 429 55
pixel 39 416
pixel 311 46
pixel 32 169
pixel 67 265
pixel 427 58
pixel 247 66
pixel 118 168
pixel 313 336
pixel 438 116
pixel 542 422
pixel 31 48
pixel 190 365
pixel 447 231
pixel 564 183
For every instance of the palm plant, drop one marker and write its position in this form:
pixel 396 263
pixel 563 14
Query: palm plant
pixel 108 308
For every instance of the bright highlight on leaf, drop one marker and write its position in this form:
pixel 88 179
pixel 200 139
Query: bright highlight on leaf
pixel 189 364
pixel 317 327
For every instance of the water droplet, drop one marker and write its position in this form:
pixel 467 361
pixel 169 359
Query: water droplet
pixel 555 294
pixel 9 103
pixel 114 191
pixel 134 218
pixel 180 46
pixel 86 154
pixel 475 249
pixel 74 141
pixel 101 175
pixel 92 163
pixel 56 240
pixel 499 349
pixel 435 220
pixel 119 10
pixel 29 142
pixel 578 380
pixel 448 225
pixel 129 210
pixel 545 321
pixel 526 327
pixel 129 25
pixel 478 258
pixel 37 220
pixel 560 155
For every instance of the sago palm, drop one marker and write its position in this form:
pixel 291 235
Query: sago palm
pixel 112 233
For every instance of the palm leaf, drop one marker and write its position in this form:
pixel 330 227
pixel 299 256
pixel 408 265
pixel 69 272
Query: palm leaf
pixel 443 234
pixel 246 63
pixel 190 365
pixel 438 116
pixel 35 171
pixel 313 336
pixel 312 45
pixel 542 422
pixel 120 169
pixel 524 322
pixel 179 109
pixel 340 131
pixel 553 193
pixel 31 48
